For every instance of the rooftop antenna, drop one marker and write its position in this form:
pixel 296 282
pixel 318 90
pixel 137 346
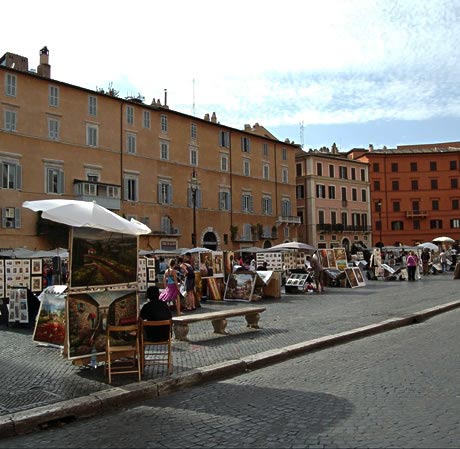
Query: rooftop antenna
pixel 193 106
pixel 301 134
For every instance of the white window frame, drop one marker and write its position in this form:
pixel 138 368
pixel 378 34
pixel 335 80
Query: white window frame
pixel 332 192
pixel 131 188
pixel 267 205
pixel 54 180
pixel 247 202
pixel 224 200
pixel 224 139
pixel 92 105
pixel 284 154
pixel 265 149
pixel 10 85
pixel 246 167
pixel 165 192
pixel 10 175
pixel 131 143
pixel 92 135
pixel 54 126
pixel 224 162
pixel 53 96
pixel 164 150
pixel 266 171
pixel 130 115
pixel 284 175
pixel 164 123
pixel 194 156
pixel 193 131
pixel 146 119
pixel 245 144
pixel 9 120
pixel 286 207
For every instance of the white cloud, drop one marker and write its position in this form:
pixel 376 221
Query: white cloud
pixel 278 63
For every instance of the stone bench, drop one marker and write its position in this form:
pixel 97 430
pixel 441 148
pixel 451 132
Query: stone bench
pixel 218 320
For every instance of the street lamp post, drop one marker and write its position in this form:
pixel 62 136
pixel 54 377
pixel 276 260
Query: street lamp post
pixel 193 188
pixel 379 205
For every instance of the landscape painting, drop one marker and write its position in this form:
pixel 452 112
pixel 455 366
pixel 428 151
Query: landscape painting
pixel 102 258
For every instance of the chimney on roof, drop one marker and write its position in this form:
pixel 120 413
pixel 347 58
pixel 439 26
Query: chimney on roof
pixel 44 69
pixel 16 62
pixel 247 127
pixel 166 97
pixel 213 117
pixel 371 147
pixel 206 117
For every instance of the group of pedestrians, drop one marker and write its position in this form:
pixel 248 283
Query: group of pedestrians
pixel 177 273
pixel 180 275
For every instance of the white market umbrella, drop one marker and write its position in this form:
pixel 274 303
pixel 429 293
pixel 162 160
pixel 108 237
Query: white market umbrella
pixel 428 245
pixel 196 250
pixel 292 245
pixel 443 240
pixel 251 249
pixel 86 214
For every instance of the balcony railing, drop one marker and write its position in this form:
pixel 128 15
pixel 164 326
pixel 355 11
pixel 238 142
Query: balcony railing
pixel 416 213
pixel 329 228
pixel 170 232
pixel 106 195
pixel 288 219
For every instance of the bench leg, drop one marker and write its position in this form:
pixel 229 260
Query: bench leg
pixel 253 320
pixel 180 331
pixel 219 326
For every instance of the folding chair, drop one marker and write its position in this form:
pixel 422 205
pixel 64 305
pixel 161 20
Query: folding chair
pixel 122 351
pixel 159 357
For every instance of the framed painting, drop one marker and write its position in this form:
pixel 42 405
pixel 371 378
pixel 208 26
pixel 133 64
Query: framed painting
pixel 36 284
pixel 88 315
pixel 36 266
pixel 50 323
pixel 102 258
pixel 351 277
pixel 240 286
pixel 359 276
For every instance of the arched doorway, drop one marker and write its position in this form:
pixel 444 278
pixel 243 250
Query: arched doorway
pixel 210 241
pixel 267 244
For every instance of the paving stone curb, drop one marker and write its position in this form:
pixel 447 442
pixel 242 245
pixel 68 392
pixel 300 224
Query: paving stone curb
pixel 87 406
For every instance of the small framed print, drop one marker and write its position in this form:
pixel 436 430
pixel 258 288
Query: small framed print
pixel 150 262
pixel 151 273
pixel 36 284
pixel 36 266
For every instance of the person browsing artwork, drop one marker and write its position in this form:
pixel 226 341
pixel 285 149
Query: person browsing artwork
pixel 189 274
pixel 318 274
pixel 155 310
pixel 171 291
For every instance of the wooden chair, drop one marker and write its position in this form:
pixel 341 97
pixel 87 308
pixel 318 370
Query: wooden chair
pixel 122 351
pixel 159 357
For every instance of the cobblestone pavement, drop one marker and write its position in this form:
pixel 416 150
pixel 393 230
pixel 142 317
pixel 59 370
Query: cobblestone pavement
pixel 35 375
pixel 393 390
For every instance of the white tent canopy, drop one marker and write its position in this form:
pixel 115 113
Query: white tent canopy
pixel 292 245
pixel 86 214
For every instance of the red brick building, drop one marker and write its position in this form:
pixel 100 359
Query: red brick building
pixel 415 192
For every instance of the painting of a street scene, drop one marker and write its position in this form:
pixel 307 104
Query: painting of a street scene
pixel 240 287
pixel 102 258
pixel 89 314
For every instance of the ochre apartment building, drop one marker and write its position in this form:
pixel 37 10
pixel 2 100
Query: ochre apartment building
pixel 414 192
pixel 179 174
pixel 333 200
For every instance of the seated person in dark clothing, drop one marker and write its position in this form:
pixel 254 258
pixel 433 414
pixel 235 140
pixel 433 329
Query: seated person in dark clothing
pixel 155 310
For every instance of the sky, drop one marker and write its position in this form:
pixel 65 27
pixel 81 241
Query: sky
pixel 316 72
